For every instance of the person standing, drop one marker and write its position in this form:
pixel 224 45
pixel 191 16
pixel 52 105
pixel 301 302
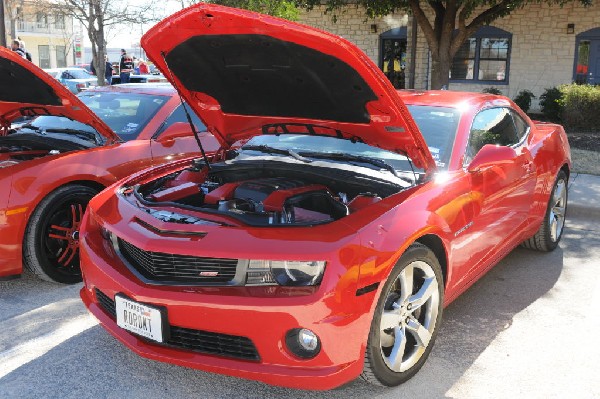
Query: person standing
pixel 125 67
pixel 15 46
pixel 108 72
pixel 143 67
pixel 27 53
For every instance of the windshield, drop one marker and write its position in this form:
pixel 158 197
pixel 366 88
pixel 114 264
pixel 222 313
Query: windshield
pixel 308 145
pixel 79 74
pixel 47 122
pixel 438 126
pixel 125 113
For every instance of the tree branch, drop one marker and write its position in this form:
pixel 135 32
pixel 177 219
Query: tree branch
pixel 425 25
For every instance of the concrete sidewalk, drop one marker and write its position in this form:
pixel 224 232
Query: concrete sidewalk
pixel 584 199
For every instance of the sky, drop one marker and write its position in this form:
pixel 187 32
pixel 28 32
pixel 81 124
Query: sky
pixel 128 36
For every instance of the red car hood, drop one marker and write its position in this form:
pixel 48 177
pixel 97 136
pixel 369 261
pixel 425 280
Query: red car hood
pixel 246 73
pixel 26 90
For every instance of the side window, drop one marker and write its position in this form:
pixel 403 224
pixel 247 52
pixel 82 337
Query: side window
pixel 491 126
pixel 521 126
pixel 179 116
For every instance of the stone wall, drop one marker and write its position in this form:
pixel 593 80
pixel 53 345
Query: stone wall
pixel 352 25
pixel 542 52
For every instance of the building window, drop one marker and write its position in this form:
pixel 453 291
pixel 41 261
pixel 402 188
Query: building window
pixel 587 58
pixel 41 19
pixel 44 54
pixel 484 58
pixel 61 57
pixel 59 21
pixel 392 56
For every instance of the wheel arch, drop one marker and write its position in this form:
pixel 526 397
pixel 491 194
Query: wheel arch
pixel 565 168
pixel 83 182
pixel 436 245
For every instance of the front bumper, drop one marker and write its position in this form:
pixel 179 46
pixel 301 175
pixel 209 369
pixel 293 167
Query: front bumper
pixel 262 314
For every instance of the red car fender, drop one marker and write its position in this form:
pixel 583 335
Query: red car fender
pixel 382 246
pixel 550 148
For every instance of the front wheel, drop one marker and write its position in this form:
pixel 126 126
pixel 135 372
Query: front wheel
pixel 550 232
pixel 51 243
pixel 406 319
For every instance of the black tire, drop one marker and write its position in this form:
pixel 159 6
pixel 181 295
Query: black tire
pixel 546 239
pixel 376 368
pixel 51 242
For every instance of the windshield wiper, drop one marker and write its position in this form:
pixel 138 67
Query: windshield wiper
pixel 30 126
pixel 272 150
pixel 380 163
pixel 82 133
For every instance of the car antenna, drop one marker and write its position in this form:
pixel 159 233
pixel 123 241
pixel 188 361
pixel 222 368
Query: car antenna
pixel 187 114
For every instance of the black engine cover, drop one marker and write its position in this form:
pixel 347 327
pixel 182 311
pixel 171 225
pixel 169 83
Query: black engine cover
pixel 257 190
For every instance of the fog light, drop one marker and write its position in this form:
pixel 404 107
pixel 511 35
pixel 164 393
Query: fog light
pixel 303 343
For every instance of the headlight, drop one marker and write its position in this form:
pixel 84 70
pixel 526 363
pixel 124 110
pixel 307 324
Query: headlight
pixel 285 272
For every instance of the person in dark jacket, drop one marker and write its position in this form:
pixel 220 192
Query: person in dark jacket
pixel 27 53
pixel 16 47
pixel 125 67
pixel 108 70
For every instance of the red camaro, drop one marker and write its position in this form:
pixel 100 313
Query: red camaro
pixel 51 166
pixel 326 245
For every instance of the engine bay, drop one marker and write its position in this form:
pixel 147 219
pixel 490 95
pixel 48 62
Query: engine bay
pixel 263 196
pixel 19 147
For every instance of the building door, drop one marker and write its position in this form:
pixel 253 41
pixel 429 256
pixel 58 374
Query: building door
pixel 392 58
pixel 587 58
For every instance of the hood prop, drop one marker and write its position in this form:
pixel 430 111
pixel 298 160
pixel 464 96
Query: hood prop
pixel 187 113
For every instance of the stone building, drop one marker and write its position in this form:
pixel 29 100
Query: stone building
pixel 536 47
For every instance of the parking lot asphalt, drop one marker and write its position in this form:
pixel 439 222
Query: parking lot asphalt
pixel 528 329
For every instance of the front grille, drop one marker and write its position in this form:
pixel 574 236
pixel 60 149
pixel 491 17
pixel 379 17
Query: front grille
pixel 196 340
pixel 107 304
pixel 213 343
pixel 163 267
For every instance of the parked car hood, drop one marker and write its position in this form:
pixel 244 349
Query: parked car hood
pixel 26 90
pixel 246 73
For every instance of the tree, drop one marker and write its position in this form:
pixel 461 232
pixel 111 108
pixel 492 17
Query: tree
pixel 287 9
pixel 446 24
pixel 13 10
pixel 97 17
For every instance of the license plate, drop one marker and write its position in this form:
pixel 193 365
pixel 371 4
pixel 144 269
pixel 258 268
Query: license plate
pixel 140 318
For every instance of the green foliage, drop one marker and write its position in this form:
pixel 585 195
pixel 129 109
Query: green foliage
pixel 551 104
pixel 492 90
pixel 581 107
pixel 286 9
pixel 523 99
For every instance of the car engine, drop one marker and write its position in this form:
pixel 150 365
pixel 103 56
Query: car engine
pixel 285 197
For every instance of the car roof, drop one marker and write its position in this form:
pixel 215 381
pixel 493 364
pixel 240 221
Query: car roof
pixel 142 88
pixel 451 99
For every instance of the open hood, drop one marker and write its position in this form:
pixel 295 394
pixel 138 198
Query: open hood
pixel 26 90
pixel 246 73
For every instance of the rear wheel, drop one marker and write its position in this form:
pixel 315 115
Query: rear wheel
pixel 550 232
pixel 406 319
pixel 51 244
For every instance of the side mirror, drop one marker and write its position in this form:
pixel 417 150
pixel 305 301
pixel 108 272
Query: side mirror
pixel 491 155
pixel 175 131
